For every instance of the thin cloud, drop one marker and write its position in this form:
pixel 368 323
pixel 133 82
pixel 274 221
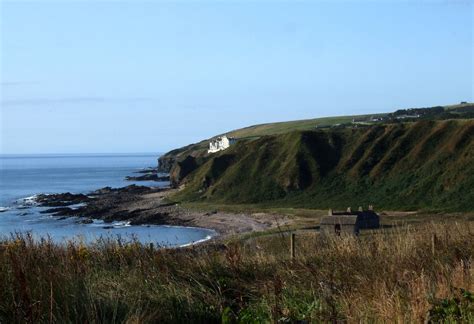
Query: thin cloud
pixel 16 83
pixel 70 100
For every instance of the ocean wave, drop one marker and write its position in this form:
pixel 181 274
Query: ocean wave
pixel 207 238
pixel 77 206
pixel 27 201
pixel 4 209
pixel 121 224
pixel 97 223
pixel 113 225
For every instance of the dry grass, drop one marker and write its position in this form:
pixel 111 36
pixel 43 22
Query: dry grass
pixel 386 276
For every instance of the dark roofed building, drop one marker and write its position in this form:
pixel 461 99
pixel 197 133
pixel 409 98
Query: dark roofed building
pixel 350 222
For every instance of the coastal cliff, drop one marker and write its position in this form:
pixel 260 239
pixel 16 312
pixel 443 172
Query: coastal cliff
pixel 425 164
pixel 168 161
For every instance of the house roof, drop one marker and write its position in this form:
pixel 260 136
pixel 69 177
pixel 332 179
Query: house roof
pixel 339 219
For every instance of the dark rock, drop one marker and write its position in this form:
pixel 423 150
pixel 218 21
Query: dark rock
pixel 148 170
pixel 165 163
pixel 112 204
pixel 148 177
pixel 181 169
pixel 134 189
pixel 61 211
pixel 160 218
pixel 128 189
pixel 102 191
pixel 62 199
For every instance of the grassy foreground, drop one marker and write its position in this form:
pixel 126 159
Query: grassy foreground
pixel 391 275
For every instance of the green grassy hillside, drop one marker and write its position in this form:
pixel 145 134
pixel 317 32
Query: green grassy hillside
pixel 427 165
pixel 198 150
pixel 289 126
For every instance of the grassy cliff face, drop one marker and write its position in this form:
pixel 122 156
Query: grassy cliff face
pixel 168 161
pixel 428 165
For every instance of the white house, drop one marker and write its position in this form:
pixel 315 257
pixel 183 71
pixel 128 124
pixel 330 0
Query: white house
pixel 220 143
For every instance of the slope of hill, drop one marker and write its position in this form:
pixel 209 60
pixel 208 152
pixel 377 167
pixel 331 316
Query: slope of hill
pixel 426 164
pixel 167 161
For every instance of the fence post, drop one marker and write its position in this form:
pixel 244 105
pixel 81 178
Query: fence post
pixel 292 243
pixel 433 244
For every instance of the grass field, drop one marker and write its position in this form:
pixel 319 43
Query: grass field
pixel 311 124
pixel 389 275
pixel 285 127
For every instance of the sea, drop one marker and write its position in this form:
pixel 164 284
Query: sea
pixel 22 177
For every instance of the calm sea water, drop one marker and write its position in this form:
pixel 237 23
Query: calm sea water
pixel 23 176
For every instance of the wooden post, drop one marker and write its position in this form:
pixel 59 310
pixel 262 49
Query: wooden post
pixel 292 243
pixel 51 302
pixel 433 244
pixel 151 247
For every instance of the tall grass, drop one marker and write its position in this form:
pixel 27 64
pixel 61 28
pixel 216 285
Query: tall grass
pixel 385 276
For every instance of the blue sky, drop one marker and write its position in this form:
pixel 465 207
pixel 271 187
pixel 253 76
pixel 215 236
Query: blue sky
pixel 135 76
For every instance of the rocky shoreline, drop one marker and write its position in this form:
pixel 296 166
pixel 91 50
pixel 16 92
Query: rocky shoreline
pixel 138 205
pixel 109 204
pixel 150 174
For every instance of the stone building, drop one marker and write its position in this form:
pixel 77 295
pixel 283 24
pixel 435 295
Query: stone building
pixel 350 222
pixel 220 143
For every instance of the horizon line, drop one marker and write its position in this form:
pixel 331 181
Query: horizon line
pixel 78 153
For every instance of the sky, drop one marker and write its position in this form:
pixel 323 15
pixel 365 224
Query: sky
pixel 150 76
